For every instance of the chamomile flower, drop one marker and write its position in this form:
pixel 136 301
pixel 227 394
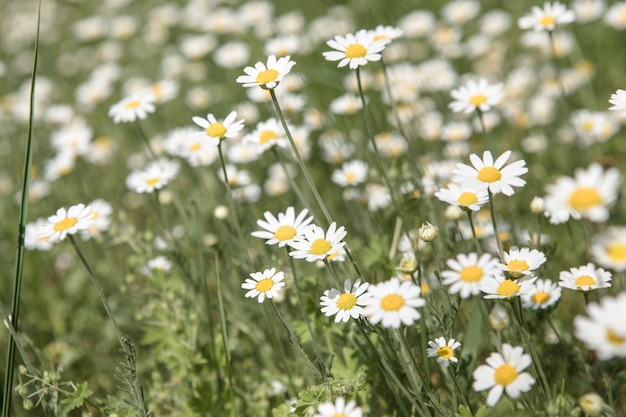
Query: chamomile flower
pixel 154 176
pixel 352 173
pixel 131 108
pixel 467 272
pixel 503 288
pixel 346 104
pixel 159 263
pixel 609 248
pixel 443 351
pixel 589 194
pixel 585 278
pixel 66 222
pixel 284 229
pixel 548 18
pixel 394 303
pixel 347 304
pixel 267 134
pixel 476 95
pixel 355 50
pixel 315 244
pixel 503 372
pixel 262 285
pixel 463 195
pixel 101 219
pixel 215 130
pixel 618 100
pixel 545 294
pixel 485 174
pixel 386 33
pixel 32 237
pixel 520 262
pixel 339 409
pixel 604 330
pixel 267 76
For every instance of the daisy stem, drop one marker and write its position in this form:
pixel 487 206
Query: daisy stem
pixel 539 228
pixel 475 238
pixel 307 175
pixel 166 224
pixel 436 254
pixel 233 208
pixel 292 183
pixel 495 226
pixel 14 335
pixel 458 393
pixel 222 317
pixel 13 318
pixel 301 305
pixel 396 238
pixel 146 141
pixel 334 273
pixel 481 119
pixel 557 67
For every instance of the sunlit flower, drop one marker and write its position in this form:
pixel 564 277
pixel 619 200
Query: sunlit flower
pixel 132 108
pixel 545 294
pixel 499 287
pixel 394 303
pixel 618 100
pixel 350 174
pixel 348 103
pixel 154 176
pixel 215 130
pixel 504 372
pixel 339 409
pixel 315 244
pixel 101 219
pixel 159 263
pixel 593 405
pixel 267 134
pixel 355 49
pixel 614 16
pixel 347 304
pixel 284 229
pixel 609 248
pixel 386 33
pixel 476 95
pixel 604 331
pixel 485 174
pixel 552 15
pixel 520 262
pixel 267 76
pixel 266 284
pixel 467 272
pixel 443 351
pixel 66 222
pixel 464 195
pixel 589 194
pixel 32 237
pixel 585 278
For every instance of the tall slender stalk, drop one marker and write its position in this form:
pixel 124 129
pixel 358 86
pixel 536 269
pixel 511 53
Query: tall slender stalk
pixel 495 226
pixel 19 263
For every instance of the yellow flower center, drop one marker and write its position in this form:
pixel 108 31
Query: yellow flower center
pixel 264 285
pixel 478 99
pixel 467 198
pixel 132 104
pixel 332 256
pixel 379 38
pixel 541 297
pixel 346 301
pixel 153 181
pixel 584 280
pixel 445 352
pixel 517 265
pixel 355 50
pixel 339 415
pixel 284 232
pixel 617 252
pixel 471 273
pixel 350 177
pixel 584 198
pixel 65 224
pixel 195 147
pixel 424 286
pixel 505 374
pixel 266 136
pixel 267 76
pixel 489 174
pixel 216 130
pixel 614 338
pixel 508 288
pixel 546 21
pixel 392 302
pixel 587 126
pixel 320 247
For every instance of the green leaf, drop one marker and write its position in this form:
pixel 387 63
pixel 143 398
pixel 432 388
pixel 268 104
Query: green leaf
pixel 463 412
pixel 282 411
pixel 482 411
pixel 78 397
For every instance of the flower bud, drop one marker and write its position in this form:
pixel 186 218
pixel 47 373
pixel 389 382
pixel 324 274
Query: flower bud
pixel 428 232
pixel 591 404
pixel 537 205
pixel 498 317
pixel 453 212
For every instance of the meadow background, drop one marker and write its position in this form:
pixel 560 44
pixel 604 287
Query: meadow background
pixel 93 54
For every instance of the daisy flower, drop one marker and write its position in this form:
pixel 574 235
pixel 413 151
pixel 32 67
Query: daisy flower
pixel 355 50
pixel 267 76
pixel 386 33
pixel 32 237
pixel 548 19
pixel 609 248
pixel 66 222
pixel 463 195
pixel 393 303
pixel 131 108
pixel 347 304
pixel 267 134
pixel 284 229
pixel 215 130
pixel 589 194
pixel 339 409
pixel 476 95
pixel 316 245
pixel 346 104
pixel 506 289
pixel 442 350
pixel 159 263
pixel 585 278
pixel 520 262
pixel 154 176
pixel 604 331
pixel 264 284
pixel 467 272
pixel 545 294
pixel 485 174
pixel 503 372
pixel 101 219
pixel 618 100
pixel 351 174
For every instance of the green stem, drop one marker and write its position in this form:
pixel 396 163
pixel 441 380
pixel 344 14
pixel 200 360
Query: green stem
pixel 292 183
pixel 483 128
pixel 495 226
pixel 475 237
pixel 145 139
